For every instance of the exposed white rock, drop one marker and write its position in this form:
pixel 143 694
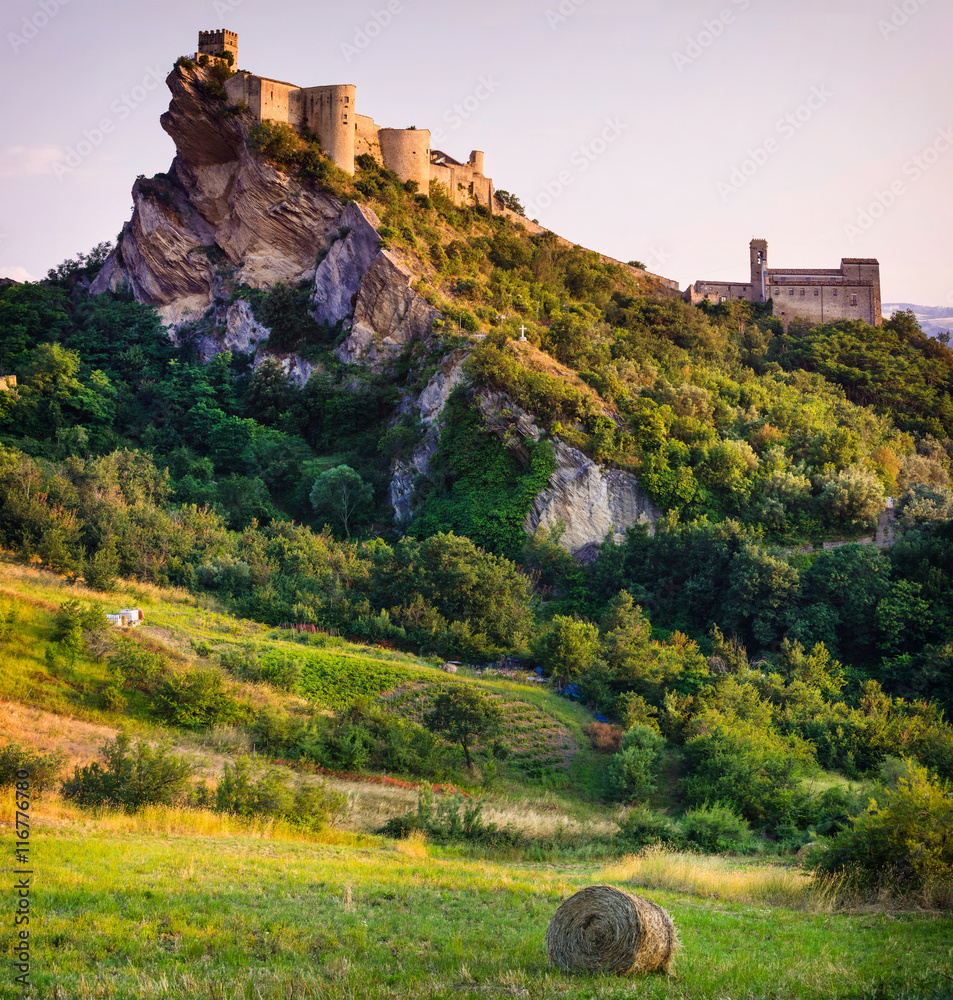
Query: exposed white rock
pixel 243 333
pixel 436 392
pixel 388 313
pixel 339 275
pixel 592 502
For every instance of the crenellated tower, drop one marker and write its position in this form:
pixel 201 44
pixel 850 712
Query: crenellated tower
pixel 220 40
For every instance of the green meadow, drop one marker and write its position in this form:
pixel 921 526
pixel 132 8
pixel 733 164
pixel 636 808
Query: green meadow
pixel 134 914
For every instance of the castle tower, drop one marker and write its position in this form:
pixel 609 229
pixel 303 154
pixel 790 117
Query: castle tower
pixel 330 112
pixel 221 40
pixel 406 151
pixel 758 250
pixel 476 161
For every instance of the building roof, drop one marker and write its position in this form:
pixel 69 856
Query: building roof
pixel 438 156
pixel 860 260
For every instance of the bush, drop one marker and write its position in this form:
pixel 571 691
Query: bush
pixel 631 773
pixel 449 819
pixel 644 826
pixel 715 828
pixel 307 806
pixel 197 699
pixel 604 737
pixel 43 768
pixel 132 665
pixel 132 776
pixel 901 843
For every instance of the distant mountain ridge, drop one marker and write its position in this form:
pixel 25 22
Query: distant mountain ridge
pixel 932 319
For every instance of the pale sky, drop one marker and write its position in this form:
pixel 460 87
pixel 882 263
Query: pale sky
pixel 670 132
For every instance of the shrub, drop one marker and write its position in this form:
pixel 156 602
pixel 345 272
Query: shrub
pixel 44 769
pixel 450 818
pixel 132 776
pixel 644 826
pixel 197 699
pixel 604 737
pixel 309 806
pixel 631 773
pixel 715 828
pixel 753 770
pixel 134 666
pixel 901 843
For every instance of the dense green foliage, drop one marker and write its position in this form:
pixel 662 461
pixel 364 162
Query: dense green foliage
pixel 123 456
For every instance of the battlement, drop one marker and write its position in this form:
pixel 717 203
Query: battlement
pixel 220 40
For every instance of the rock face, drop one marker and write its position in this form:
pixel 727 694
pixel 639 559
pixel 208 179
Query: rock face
pixel 339 275
pixel 219 205
pixel 592 502
pixel 388 313
pixel 429 405
pixel 224 214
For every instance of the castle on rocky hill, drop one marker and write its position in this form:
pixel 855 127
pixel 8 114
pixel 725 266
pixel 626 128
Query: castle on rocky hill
pixel 331 113
pixel 851 291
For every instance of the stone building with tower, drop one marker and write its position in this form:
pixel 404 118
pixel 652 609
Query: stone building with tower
pixel 331 113
pixel 816 295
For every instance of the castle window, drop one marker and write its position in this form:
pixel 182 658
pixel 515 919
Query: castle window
pixel 790 291
pixel 777 291
pixel 347 100
pixel 817 291
pixel 835 293
pixel 853 300
pixel 802 291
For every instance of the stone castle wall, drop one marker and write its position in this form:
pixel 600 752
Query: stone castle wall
pixel 331 113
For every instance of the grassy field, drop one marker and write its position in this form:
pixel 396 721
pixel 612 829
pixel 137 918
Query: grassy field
pixel 181 906
pixel 174 904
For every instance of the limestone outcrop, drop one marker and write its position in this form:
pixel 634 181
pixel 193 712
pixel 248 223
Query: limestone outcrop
pixel 592 502
pixel 388 313
pixel 339 275
pixel 219 205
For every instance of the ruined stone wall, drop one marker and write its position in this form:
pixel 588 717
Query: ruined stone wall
pixel 465 182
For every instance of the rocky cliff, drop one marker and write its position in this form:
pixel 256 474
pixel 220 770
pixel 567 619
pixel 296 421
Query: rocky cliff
pixel 223 216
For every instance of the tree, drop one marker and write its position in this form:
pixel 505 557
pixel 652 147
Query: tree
pixel 132 776
pixel 464 714
pixel 569 650
pixel 342 495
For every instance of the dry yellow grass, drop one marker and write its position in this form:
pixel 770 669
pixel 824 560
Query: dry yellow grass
pixel 47 731
pixel 53 812
pixel 414 846
pixel 716 877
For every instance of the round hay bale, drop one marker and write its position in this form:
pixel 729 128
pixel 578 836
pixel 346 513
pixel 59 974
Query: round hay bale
pixel 603 929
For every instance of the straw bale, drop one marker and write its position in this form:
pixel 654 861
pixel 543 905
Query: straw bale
pixel 603 929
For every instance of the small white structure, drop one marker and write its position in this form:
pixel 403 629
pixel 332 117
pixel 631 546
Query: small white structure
pixel 127 618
